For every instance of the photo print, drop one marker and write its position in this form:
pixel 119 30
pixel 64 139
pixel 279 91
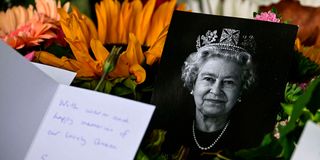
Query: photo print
pixel 220 82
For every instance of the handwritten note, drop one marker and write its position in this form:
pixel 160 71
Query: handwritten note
pixel 309 142
pixel 45 120
pixel 99 127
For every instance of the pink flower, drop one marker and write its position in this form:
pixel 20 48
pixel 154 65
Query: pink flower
pixel 303 86
pixel 267 16
pixel 30 56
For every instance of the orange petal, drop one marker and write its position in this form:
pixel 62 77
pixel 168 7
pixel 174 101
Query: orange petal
pixel 135 19
pixel 112 13
pixel 63 14
pixel 122 67
pixel 138 72
pixel 124 21
pixel 298 44
pixel 72 27
pixel 80 51
pixel 182 7
pixel 99 51
pixel 102 24
pixel 157 23
pixel 85 31
pixel 144 21
pixel 91 27
pixel 155 51
pixel 134 51
pixel 170 10
pixel 52 60
pixel 85 72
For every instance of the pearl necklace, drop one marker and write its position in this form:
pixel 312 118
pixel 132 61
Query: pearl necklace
pixel 212 144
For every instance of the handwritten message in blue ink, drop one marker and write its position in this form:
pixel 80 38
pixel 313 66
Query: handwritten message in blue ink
pixel 81 124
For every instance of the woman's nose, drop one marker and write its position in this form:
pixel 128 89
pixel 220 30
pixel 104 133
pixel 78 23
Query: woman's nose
pixel 216 87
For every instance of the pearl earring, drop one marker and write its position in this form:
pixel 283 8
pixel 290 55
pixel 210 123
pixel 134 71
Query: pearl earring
pixel 239 99
pixel 191 92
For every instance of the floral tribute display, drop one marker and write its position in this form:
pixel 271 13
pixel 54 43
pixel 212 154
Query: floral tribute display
pixel 111 56
pixel 118 52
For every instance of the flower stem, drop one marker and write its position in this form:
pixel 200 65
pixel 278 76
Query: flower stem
pixel 109 64
pixel 101 80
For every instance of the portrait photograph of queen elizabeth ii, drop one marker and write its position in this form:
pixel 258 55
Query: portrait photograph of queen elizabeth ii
pixel 220 83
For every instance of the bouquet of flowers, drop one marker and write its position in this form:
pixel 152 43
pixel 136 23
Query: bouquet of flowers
pixel 114 57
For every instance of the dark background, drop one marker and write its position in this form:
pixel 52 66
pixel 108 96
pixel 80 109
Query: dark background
pixel 258 109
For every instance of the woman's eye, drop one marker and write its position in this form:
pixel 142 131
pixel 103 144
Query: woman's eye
pixel 210 79
pixel 229 82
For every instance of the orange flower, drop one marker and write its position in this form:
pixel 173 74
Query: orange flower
pixel 79 31
pixel 148 24
pixel 128 23
pixel 312 52
pixel 20 27
pixel 81 36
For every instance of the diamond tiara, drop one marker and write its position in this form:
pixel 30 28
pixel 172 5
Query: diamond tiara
pixel 230 39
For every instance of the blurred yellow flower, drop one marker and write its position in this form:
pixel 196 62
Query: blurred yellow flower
pixel 20 27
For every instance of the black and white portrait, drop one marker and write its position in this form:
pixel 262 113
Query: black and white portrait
pixel 220 82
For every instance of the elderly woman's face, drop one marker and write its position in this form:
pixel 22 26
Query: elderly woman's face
pixel 217 87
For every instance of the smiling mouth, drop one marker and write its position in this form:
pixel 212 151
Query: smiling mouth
pixel 215 101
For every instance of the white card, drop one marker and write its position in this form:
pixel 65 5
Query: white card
pixel 42 119
pixel 62 76
pixel 83 124
pixel 308 146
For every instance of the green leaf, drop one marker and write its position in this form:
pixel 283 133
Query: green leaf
pixel 269 151
pixel 316 117
pixel 130 84
pixel 108 86
pixel 298 106
pixel 256 13
pixel 287 108
pixel 121 90
pixel 93 84
pixel 288 147
pixel 305 67
pixel 101 87
pixel 292 92
pixel 305 116
pixel 156 139
pixel 141 156
pixel 85 84
pixel 314 103
pixel 298 110
pixel 286 21
pixel 267 139
pixel 117 80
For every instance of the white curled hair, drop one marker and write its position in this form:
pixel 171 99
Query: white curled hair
pixel 195 60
